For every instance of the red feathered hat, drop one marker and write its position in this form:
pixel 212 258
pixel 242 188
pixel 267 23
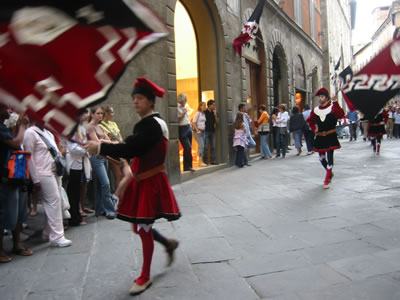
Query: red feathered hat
pixel 322 91
pixel 147 88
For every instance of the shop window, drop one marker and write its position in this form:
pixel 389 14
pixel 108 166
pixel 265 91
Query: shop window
pixel 187 81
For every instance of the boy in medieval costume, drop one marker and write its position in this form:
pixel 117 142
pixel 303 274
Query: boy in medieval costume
pixel 322 121
pixel 148 195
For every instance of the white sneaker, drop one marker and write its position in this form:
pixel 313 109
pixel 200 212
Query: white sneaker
pixel 115 201
pixel 63 242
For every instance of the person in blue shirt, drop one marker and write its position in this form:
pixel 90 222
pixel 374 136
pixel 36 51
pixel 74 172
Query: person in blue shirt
pixel 352 116
pixel 247 122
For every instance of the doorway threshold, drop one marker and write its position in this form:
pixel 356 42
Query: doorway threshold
pixel 188 175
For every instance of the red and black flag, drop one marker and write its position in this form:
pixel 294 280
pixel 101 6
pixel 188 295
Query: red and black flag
pixel 59 56
pixel 345 76
pixel 250 29
pixel 379 81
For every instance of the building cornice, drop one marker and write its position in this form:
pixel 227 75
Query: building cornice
pixel 384 24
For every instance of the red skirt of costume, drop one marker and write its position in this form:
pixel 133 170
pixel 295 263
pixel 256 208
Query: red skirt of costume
pixel 148 200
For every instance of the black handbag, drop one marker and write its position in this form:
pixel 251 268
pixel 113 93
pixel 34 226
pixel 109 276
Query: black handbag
pixel 60 165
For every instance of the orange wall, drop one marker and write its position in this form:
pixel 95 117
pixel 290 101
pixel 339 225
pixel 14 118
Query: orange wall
pixel 318 26
pixel 288 8
pixel 305 7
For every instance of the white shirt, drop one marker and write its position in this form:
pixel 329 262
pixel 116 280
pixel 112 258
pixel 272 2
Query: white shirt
pixel 397 118
pixel 41 163
pixel 200 120
pixel 185 120
pixel 75 152
pixel 282 119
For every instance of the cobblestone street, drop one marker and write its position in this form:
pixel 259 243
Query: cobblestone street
pixel 269 231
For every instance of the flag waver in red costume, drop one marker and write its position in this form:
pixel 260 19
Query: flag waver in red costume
pixel 148 196
pixel 376 129
pixel 322 120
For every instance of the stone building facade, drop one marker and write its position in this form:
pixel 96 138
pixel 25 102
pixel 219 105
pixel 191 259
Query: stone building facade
pixel 337 28
pixel 283 65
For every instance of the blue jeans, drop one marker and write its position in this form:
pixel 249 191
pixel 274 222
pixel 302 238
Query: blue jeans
pixel 297 135
pixel 185 137
pixel 200 141
pixel 13 206
pixel 265 152
pixel 209 138
pixel 309 137
pixel 103 203
pixel 281 143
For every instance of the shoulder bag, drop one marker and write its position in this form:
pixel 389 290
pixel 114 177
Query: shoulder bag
pixel 58 159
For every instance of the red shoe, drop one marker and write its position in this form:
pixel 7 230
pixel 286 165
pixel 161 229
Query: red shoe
pixel 328 178
pixel 378 148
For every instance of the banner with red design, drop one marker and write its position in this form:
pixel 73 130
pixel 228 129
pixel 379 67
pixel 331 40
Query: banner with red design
pixel 374 85
pixel 58 56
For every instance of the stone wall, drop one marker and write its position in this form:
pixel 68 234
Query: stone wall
pixel 337 39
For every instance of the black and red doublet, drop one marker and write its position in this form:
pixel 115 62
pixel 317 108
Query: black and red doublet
pixel 325 119
pixel 376 126
pixel 149 198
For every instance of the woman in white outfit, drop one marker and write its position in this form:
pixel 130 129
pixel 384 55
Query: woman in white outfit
pixel 46 182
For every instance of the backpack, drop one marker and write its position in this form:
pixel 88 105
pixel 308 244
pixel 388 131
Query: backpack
pixel 17 167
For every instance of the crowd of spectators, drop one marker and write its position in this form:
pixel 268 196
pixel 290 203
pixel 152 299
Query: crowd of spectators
pixel 63 197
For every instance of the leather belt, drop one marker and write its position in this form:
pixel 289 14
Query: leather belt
pixel 324 133
pixel 377 124
pixel 149 173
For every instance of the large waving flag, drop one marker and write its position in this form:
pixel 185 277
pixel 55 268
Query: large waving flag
pixel 378 82
pixel 59 56
pixel 250 29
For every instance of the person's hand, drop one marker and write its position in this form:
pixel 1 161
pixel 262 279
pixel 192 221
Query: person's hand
pixel 36 188
pixel 92 147
pixel 334 98
pixel 23 120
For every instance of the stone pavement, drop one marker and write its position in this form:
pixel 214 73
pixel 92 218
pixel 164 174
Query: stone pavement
pixel 269 231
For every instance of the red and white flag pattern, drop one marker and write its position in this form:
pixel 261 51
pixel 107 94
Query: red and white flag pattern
pixel 57 57
pixel 374 85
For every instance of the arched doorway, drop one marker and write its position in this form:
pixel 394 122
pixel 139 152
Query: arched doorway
pixel 300 82
pixel 279 76
pixel 205 79
pixel 187 80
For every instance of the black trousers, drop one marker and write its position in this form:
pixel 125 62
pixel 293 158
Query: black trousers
pixel 73 192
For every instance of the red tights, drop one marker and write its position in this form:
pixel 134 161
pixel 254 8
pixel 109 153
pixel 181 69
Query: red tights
pixel 148 248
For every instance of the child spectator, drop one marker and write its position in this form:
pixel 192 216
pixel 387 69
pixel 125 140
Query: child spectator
pixel 240 139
